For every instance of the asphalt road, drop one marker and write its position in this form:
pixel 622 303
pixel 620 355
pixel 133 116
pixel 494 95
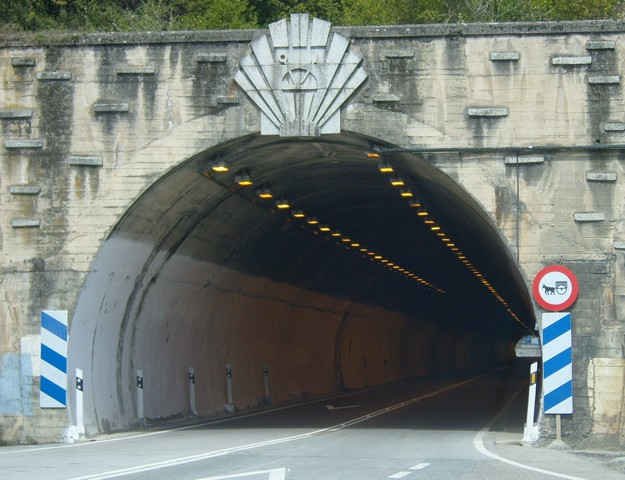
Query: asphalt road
pixel 412 430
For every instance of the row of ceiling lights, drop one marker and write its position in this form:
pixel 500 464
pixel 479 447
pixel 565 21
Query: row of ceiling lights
pixel 387 169
pixel 244 180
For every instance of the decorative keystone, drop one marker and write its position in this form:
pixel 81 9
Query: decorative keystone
pixel 385 98
pixel 572 60
pixel 25 223
pixel 601 176
pixel 211 58
pixel 614 127
pixel 23 62
pixel 523 159
pixel 136 70
pixel 489 112
pixel 400 53
pixel 14 143
pixel 54 76
pixel 619 245
pixel 112 107
pixel 587 217
pixel 600 45
pixel 15 114
pixel 24 190
pixel 84 161
pixel 300 61
pixel 228 100
pixel 604 79
pixel 505 56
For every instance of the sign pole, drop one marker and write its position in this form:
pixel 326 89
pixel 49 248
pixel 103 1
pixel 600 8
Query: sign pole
pixel 555 288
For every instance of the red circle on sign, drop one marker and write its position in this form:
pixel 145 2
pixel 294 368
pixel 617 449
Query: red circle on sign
pixel 555 307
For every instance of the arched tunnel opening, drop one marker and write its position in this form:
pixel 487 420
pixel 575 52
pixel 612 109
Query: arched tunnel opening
pixel 325 264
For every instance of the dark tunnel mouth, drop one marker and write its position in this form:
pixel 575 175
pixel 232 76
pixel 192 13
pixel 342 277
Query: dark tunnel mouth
pixel 199 216
pixel 248 156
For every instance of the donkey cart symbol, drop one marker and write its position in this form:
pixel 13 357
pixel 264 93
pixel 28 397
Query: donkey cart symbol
pixel 560 288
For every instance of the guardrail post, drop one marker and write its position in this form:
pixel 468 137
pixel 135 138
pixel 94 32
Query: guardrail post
pixel 80 409
pixel 530 432
pixel 139 385
pixel 229 406
pixel 267 385
pixel 192 404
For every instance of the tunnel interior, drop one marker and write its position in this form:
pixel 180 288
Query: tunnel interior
pixel 345 264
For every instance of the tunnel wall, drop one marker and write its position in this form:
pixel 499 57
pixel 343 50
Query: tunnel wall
pixel 198 314
pixel 250 323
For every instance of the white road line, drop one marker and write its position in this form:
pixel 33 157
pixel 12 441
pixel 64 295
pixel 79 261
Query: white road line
pixel 478 443
pixel 399 475
pixel 274 474
pixel 419 466
pixel 185 427
pixel 227 451
pixel 342 407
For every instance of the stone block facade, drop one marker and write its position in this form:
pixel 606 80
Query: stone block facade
pixel 90 122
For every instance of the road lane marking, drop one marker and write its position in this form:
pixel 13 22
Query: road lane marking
pixel 273 474
pixel 185 427
pixel 419 466
pixel 342 407
pixel 478 443
pixel 399 475
pixel 277 441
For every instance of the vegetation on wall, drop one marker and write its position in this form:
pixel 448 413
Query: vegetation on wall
pixel 131 15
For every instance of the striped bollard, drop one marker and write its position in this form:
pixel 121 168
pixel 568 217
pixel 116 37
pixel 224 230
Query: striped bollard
pixel 54 336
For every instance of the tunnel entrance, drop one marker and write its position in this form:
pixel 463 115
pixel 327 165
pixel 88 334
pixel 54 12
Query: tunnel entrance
pixel 325 263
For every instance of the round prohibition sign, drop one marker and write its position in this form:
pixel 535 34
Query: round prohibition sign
pixel 555 288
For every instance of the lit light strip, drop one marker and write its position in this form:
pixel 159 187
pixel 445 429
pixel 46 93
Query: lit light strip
pixel 351 244
pixel 243 179
pixel 446 239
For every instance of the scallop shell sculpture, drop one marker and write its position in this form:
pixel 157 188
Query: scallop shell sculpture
pixel 299 76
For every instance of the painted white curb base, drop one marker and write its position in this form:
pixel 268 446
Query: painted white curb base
pixel 73 434
pixel 531 433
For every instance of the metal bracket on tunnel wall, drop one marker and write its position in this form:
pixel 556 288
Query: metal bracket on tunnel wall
pixel 299 76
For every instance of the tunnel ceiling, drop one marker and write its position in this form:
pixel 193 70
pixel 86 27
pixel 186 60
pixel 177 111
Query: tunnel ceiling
pixel 333 179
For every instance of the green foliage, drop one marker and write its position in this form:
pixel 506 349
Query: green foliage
pixel 206 14
pixel 389 12
pixel 128 15
pixel 576 9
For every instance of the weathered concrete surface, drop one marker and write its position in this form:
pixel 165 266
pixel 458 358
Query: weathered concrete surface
pixel 179 110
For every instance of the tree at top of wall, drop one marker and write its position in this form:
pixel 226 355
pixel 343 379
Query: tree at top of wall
pixel 129 15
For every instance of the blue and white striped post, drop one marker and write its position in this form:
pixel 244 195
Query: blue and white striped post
pixel 557 363
pixel 54 336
